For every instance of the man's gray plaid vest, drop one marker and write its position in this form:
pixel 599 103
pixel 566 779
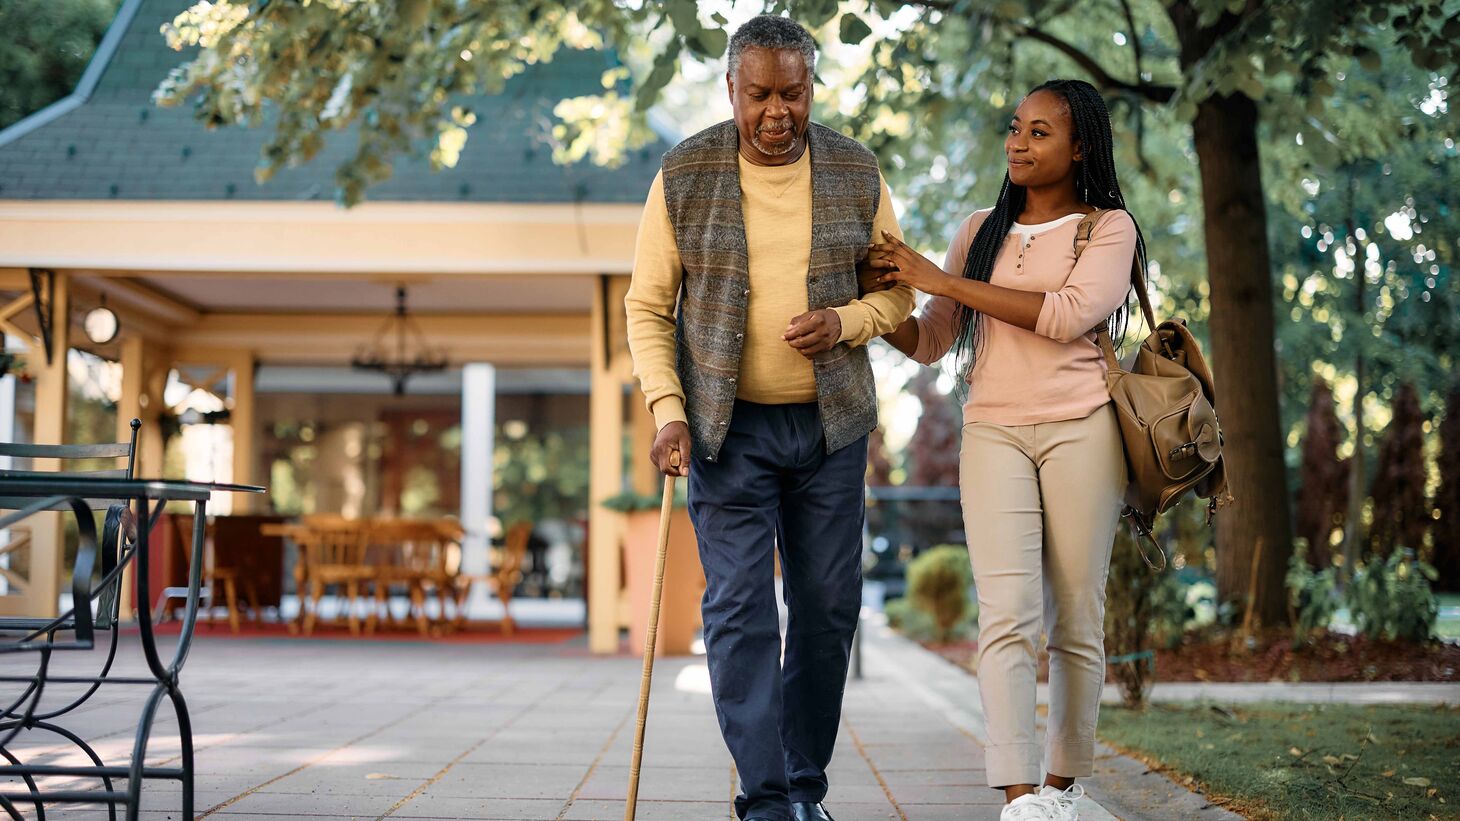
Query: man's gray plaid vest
pixel 702 192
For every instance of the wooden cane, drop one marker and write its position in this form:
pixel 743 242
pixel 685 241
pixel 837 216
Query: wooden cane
pixel 648 675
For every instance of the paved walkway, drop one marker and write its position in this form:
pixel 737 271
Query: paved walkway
pixel 333 730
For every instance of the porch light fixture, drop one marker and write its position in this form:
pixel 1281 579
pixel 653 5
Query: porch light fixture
pixel 101 324
pixel 410 356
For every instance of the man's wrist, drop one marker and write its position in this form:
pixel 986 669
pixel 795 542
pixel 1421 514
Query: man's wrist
pixel 851 320
pixel 833 318
pixel 668 409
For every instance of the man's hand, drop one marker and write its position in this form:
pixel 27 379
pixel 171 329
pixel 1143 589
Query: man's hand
pixel 814 332
pixel 871 268
pixel 670 452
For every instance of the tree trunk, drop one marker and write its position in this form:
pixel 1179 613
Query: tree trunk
pixel 1243 360
pixel 1358 485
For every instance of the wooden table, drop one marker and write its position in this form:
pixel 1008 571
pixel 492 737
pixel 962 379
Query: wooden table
pixel 370 555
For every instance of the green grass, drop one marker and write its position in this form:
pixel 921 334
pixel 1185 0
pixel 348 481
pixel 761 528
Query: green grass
pixel 1304 761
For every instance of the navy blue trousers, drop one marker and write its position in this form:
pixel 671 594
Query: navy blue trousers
pixel 774 486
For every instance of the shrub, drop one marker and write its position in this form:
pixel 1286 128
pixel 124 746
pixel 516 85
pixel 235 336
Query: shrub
pixel 1132 608
pixel 937 585
pixel 1392 598
pixel 1312 595
pixel 903 617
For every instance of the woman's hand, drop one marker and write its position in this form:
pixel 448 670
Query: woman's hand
pixel 901 264
pixel 870 270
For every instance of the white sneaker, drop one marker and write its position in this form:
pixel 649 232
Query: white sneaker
pixel 1064 800
pixel 1031 807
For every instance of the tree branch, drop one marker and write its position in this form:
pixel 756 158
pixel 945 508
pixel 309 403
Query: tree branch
pixel 1135 44
pixel 1103 78
pixel 1135 38
pixel 1147 91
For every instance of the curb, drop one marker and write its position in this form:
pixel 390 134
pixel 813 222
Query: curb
pixel 1122 787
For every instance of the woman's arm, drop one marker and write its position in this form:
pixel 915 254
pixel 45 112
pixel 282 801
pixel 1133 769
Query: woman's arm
pixel 929 334
pixel 1095 288
pixel 904 337
pixel 1098 284
pixel 904 265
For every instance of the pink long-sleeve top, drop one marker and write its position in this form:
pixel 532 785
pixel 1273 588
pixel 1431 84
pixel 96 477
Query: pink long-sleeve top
pixel 1055 372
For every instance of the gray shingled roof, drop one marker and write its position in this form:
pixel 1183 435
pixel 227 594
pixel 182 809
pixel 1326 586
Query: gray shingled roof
pixel 113 142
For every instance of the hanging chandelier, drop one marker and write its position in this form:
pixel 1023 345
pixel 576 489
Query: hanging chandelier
pixel 410 356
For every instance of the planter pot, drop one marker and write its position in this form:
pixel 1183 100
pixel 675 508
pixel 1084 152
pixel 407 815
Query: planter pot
pixel 684 582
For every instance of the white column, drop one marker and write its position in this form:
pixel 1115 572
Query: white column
pixel 478 419
pixel 7 434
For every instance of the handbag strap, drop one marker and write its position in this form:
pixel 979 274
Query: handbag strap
pixel 1083 232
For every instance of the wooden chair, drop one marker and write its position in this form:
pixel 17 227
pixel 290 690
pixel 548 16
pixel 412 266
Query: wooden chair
pixel 502 580
pixel 238 543
pixel 327 520
pixel 331 556
pixel 415 553
pixel 215 573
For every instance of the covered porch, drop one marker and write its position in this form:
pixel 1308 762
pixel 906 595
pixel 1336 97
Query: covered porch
pixel 262 305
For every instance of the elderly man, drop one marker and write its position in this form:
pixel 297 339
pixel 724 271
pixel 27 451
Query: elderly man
pixel 763 395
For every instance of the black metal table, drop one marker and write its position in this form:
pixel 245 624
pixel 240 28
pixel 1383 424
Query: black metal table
pixel 19 713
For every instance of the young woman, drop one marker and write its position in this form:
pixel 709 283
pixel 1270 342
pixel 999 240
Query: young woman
pixel 1042 472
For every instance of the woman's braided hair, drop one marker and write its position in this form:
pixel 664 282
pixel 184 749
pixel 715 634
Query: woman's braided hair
pixel 1095 184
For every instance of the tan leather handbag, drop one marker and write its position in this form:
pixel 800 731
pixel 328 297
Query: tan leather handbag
pixel 1166 405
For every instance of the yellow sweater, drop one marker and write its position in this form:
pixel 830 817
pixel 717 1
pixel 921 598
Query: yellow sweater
pixel 776 202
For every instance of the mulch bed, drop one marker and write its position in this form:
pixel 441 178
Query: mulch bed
pixel 1270 657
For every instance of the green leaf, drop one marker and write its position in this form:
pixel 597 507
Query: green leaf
pixel 1252 87
pixel 682 14
pixel 1009 9
pixel 709 43
pixel 815 13
pixel 665 66
pixel 1368 58
pixel 854 29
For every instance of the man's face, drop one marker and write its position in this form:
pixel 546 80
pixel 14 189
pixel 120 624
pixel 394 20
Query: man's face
pixel 771 95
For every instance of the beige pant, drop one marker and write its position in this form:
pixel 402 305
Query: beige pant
pixel 1040 505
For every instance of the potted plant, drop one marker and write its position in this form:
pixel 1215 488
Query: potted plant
pixel 11 362
pixel 684 578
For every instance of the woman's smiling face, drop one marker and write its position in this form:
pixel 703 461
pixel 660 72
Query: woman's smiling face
pixel 1041 148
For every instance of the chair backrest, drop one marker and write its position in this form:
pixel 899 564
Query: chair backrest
pixel 239 546
pixel 118 529
pixel 182 530
pixel 337 545
pixel 117 450
pixel 327 520
pixel 420 545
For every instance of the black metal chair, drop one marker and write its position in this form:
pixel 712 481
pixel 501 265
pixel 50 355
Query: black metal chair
pixel 77 628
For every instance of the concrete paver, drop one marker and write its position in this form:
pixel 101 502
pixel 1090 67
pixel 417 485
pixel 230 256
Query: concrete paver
pixel 509 732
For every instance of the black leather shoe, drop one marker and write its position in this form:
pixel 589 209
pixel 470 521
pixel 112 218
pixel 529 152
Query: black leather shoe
pixel 810 811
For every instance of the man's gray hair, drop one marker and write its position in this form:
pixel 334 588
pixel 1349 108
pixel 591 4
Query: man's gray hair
pixel 771 31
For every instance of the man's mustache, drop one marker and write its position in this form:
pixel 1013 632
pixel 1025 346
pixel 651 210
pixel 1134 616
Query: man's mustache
pixel 778 125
